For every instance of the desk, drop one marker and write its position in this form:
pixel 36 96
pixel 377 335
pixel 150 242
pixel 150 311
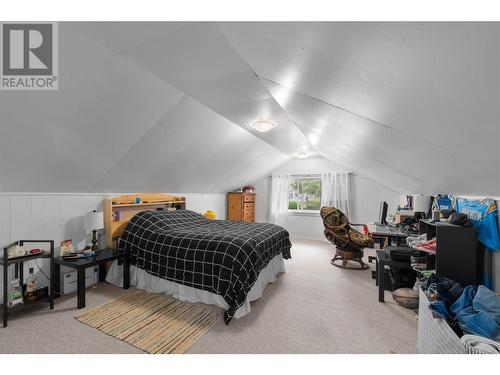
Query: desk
pixel 381 232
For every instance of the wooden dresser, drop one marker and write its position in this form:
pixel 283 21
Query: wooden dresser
pixel 241 207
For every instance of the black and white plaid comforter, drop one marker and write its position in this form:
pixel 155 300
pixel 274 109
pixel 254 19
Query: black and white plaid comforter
pixel 218 256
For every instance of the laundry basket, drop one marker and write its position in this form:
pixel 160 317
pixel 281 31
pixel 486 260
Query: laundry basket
pixel 435 336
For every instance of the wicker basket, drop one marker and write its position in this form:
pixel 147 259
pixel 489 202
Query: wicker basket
pixel 435 336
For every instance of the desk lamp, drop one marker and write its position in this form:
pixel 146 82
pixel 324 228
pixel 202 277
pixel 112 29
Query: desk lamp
pixel 93 222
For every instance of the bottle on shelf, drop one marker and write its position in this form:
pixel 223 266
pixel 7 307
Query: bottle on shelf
pixel 30 295
pixel 116 216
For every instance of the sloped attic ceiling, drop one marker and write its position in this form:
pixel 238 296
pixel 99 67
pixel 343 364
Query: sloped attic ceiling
pixel 167 106
pixel 413 105
pixel 198 60
pixel 115 127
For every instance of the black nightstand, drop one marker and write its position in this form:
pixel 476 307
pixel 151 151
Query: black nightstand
pixel 100 259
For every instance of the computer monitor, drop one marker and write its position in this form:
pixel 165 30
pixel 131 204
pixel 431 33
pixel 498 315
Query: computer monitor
pixel 383 212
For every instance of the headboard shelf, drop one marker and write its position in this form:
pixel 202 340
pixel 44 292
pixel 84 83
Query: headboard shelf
pixel 120 209
pixel 147 204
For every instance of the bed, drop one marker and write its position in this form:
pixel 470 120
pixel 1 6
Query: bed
pixel 212 261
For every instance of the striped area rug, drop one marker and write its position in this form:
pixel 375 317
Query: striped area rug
pixel 154 323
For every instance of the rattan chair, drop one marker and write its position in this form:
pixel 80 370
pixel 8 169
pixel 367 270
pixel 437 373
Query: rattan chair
pixel 349 242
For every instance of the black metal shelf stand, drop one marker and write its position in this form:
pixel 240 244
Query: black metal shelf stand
pixel 18 262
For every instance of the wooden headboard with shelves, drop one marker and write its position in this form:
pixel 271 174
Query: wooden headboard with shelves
pixel 120 209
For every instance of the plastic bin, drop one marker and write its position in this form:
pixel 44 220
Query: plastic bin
pixel 435 336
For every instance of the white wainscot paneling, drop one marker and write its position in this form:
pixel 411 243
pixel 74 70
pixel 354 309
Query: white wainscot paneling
pixel 72 220
pixel 37 217
pixel 52 218
pixel 4 220
pixel 4 228
pixel 45 217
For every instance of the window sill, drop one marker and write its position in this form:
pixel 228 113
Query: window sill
pixel 303 213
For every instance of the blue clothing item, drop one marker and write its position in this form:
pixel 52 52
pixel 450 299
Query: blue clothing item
pixel 446 291
pixel 465 300
pixel 484 215
pixel 478 312
pixel 443 202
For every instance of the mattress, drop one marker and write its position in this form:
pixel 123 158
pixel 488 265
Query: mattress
pixel 217 256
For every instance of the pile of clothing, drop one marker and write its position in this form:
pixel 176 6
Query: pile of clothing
pixel 421 243
pixel 409 226
pixel 457 218
pixel 473 310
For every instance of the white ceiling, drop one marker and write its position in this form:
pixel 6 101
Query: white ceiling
pixel 191 149
pixel 167 106
pixel 414 105
pixel 198 60
pixel 66 140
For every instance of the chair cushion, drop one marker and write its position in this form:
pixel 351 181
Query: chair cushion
pixel 361 239
pixel 338 230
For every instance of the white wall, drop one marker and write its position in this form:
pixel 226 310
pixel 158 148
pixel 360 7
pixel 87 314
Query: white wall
pixel 199 202
pixel 366 198
pixel 61 216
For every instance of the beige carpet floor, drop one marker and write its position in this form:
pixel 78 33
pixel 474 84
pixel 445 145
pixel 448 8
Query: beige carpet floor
pixel 313 308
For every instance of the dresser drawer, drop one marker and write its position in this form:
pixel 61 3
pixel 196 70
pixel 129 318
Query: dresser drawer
pixel 249 216
pixel 249 198
pixel 249 206
pixel 249 209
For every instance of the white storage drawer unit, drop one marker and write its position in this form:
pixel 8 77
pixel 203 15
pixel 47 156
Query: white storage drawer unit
pixel 68 281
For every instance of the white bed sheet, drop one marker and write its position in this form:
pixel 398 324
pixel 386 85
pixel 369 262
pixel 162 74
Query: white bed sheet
pixel 153 284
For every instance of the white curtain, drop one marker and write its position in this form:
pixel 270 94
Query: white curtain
pixel 280 186
pixel 336 191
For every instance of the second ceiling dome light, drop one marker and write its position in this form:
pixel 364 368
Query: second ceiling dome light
pixel 263 125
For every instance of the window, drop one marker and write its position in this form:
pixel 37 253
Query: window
pixel 304 194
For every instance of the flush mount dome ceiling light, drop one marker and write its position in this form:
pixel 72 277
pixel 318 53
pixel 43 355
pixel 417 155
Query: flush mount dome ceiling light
pixel 303 153
pixel 263 125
